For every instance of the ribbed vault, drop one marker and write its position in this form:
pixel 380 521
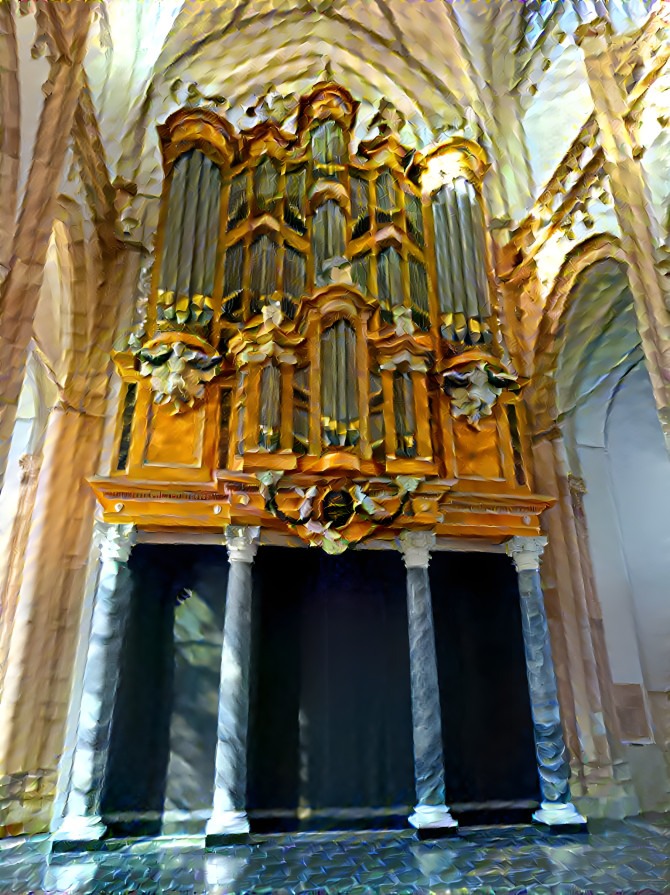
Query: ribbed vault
pixel 598 333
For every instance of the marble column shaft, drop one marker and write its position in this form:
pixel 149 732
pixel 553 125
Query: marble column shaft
pixel 552 756
pixel 230 784
pixel 101 674
pixel 426 714
pixel 551 752
pixel 431 809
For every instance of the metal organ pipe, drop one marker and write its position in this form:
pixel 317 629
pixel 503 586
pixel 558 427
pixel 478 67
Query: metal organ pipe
pixel 192 227
pixel 460 253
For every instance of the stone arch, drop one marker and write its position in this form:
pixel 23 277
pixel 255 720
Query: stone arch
pixel 586 690
pixel 608 442
pixel 541 393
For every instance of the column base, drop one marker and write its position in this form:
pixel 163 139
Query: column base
pixel 78 832
pixel 433 820
pixel 226 828
pixel 560 815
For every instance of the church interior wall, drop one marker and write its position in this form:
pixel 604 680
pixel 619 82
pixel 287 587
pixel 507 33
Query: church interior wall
pixel 615 445
pixel 106 235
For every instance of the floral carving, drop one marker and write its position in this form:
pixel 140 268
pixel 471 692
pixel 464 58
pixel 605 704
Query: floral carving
pixel 474 382
pixel 178 369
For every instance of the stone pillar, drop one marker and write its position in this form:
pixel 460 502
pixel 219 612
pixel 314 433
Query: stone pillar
pixel 600 783
pixel 81 819
pixel 552 757
pixel 640 229
pixel 11 586
pixel 39 207
pixel 431 811
pixel 229 816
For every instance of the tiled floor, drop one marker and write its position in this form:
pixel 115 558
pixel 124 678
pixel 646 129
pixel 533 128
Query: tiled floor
pixel 625 857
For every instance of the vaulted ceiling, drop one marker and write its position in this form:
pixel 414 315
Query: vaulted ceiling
pixel 508 74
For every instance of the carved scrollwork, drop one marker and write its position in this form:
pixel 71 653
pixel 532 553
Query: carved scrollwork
pixel 272 335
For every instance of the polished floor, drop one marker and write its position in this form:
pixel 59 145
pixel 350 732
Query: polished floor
pixel 629 856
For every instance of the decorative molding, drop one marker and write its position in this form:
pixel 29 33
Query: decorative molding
pixel 274 337
pixel 343 516
pixel 416 547
pixel 526 552
pixel 457 158
pixel 393 349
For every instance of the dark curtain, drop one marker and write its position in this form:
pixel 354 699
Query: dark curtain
pixel 331 713
pixel 157 682
pixel 486 722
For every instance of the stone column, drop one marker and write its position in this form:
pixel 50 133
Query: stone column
pixel 39 207
pixel 431 811
pixel 601 779
pixel 81 819
pixel 229 816
pixel 553 766
pixel 638 223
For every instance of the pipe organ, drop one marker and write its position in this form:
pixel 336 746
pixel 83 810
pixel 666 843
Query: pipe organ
pixel 322 354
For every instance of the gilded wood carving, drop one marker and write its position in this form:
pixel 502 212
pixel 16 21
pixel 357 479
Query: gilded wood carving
pixel 322 351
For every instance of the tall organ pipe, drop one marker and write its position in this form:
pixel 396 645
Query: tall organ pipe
pixel 445 291
pixel 213 212
pixel 173 226
pixel 456 263
pixel 200 236
pixel 188 228
pixel 477 224
pixel 460 253
pixel 192 227
pixel 470 304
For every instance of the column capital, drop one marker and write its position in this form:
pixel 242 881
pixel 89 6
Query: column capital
pixel 594 37
pixel 526 551
pixel 114 540
pixel 242 542
pixel 30 466
pixel 416 547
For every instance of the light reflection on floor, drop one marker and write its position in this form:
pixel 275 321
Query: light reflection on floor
pixel 628 856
